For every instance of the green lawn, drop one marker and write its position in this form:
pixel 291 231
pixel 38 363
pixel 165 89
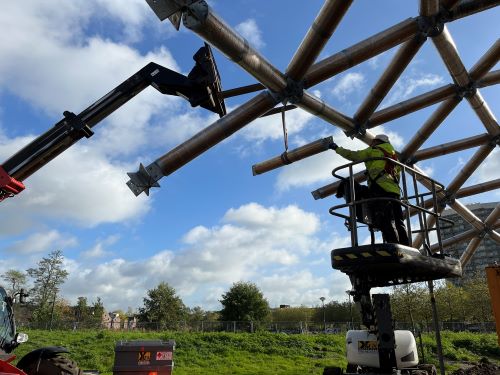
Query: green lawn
pixel 241 353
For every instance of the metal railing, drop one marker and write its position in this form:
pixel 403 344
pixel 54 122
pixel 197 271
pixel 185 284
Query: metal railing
pixel 405 201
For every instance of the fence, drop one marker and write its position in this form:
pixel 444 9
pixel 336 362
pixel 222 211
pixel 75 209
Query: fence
pixel 237 327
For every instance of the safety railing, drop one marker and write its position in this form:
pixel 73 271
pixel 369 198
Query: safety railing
pixel 434 188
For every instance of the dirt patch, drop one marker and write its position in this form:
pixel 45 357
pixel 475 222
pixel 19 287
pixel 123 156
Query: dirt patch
pixel 484 367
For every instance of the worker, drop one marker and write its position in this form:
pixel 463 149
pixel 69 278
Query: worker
pixel 383 182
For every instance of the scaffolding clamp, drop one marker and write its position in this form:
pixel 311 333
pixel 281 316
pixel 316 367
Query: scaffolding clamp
pixel 144 179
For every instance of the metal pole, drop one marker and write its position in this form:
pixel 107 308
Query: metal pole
pixel 324 316
pixel 469 7
pixel 52 310
pixel 435 319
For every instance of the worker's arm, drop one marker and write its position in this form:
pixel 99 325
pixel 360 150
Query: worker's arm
pixel 353 155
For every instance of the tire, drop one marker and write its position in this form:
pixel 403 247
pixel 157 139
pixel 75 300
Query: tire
pixel 56 365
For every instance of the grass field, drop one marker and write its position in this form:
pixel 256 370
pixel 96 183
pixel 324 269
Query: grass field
pixel 241 353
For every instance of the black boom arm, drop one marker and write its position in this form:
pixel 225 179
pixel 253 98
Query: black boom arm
pixel 201 88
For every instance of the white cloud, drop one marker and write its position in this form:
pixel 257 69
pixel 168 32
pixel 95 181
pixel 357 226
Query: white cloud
pixel 407 85
pixel 349 83
pixel 42 242
pixel 490 168
pixel 250 31
pixel 79 185
pixel 271 127
pixel 251 242
pixel 99 249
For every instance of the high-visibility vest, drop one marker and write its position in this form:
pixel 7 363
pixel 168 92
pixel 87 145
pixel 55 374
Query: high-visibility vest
pixel 376 168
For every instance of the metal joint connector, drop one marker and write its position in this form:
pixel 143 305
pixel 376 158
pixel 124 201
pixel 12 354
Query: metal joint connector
pixel 359 130
pixel 495 141
pixel 144 179
pixel 430 26
pixel 411 160
pixel 294 90
pixel 467 91
pixel 449 198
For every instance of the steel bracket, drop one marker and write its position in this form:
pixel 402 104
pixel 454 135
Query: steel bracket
pixel 144 179
pixel 171 9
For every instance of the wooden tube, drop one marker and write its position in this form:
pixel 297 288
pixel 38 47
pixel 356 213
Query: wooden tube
pixel 478 188
pixel 411 105
pixel 292 156
pixel 469 7
pixel 448 4
pixel 318 35
pixel 450 147
pixel 462 237
pixel 467 214
pixel 429 7
pixel 470 167
pixel 466 192
pixel 209 26
pixel 361 51
pixel 484 113
pixel 215 133
pixel 398 64
pixel 242 90
pixel 428 128
pixel 319 108
pixel 490 79
pixel 331 189
pixel 475 242
pixel 486 62
pixel 448 51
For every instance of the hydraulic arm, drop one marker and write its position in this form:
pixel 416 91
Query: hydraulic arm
pixel 201 88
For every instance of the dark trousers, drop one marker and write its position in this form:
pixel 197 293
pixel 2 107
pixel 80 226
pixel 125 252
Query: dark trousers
pixel 389 216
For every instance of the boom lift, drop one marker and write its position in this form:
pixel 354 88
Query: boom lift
pixel 201 87
pixel 380 349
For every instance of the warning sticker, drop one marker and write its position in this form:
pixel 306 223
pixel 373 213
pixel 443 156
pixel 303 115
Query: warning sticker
pixel 144 358
pixel 367 346
pixel 163 356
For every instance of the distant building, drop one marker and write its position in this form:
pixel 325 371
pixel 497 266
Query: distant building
pixel 488 251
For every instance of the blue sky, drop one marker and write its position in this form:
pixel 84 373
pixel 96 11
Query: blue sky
pixel 211 223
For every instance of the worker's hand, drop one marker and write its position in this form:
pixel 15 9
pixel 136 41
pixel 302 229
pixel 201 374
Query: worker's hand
pixel 333 146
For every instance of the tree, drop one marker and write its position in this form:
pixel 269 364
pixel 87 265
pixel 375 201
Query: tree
pixel 244 302
pixel 16 280
pixel 163 306
pixel 48 277
pixel 97 311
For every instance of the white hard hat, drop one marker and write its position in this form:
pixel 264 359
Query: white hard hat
pixel 382 137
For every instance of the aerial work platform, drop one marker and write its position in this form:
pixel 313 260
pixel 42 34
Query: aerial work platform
pixel 388 264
